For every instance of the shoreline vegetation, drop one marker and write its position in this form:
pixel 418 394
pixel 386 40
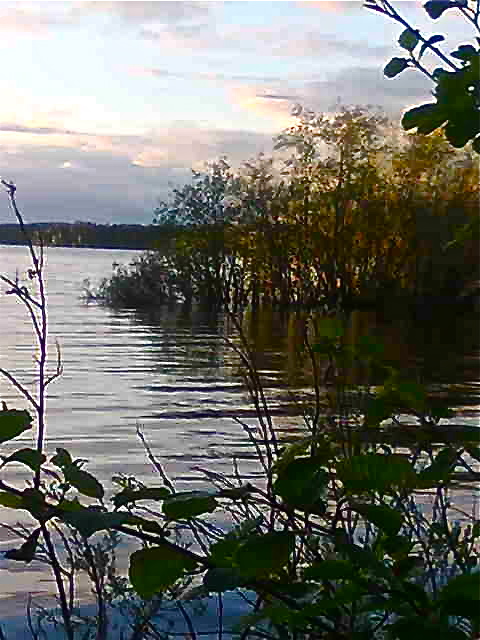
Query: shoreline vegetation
pixel 347 213
pixel 86 235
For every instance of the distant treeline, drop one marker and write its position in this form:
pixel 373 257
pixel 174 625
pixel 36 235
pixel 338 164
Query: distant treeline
pixel 82 234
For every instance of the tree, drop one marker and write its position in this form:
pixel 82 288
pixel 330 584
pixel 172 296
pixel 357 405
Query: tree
pixel 456 83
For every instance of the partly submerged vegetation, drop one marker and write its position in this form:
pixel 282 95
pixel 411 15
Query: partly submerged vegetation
pixel 353 215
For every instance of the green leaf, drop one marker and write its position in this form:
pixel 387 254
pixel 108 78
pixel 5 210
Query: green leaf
pixel 11 500
pixel 88 521
pixel 155 569
pixel 262 555
pixel 383 517
pixel 148 493
pixel 377 410
pixel 461 596
pixel 222 579
pixel 331 328
pixel 62 458
pixel 30 457
pixel 460 131
pixel 426 118
pixel 431 40
pixel 435 8
pixel 395 66
pixel 330 570
pixel 409 39
pixel 439 471
pixel 374 472
pixel 34 502
pixel 302 484
pixel 83 481
pixel 26 552
pixel 465 52
pixel 236 493
pixel 189 504
pixel 474 452
pixel 13 422
pixel 370 347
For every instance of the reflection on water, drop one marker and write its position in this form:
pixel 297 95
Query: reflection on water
pixel 172 372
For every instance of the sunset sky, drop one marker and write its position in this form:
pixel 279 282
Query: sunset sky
pixel 106 105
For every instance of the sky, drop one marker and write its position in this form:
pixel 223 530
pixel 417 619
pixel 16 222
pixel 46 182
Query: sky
pixel 106 106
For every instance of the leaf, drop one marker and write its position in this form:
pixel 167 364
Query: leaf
pixel 30 457
pixel 302 484
pixel 427 117
pixel 13 422
pixel 222 579
pixel 460 131
pixel 62 458
pixel 435 8
pixel 88 521
pixel 440 469
pixel 26 552
pixel 377 473
pixel 236 493
pixel 382 516
pixel 155 569
pixel 409 39
pixel 369 347
pixel 465 52
pixel 474 452
pixel 330 570
pixel 331 328
pixel 83 481
pixel 34 501
pixel 461 596
pixel 11 500
pixel 430 41
pixel 262 555
pixel 189 504
pixel 395 66
pixel 148 493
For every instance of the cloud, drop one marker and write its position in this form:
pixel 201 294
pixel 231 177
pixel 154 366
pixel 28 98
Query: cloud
pixel 112 178
pixel 366 85
pixel 142 13
pixel 40 17
pixel 28 19
pixel 7 127
pixel 274 40
pixel 275 108
pixel 335 6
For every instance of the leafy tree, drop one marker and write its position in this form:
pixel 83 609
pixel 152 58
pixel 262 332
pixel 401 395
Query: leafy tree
pixel 456 82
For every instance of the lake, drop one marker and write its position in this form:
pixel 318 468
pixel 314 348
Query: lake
pixel 173 374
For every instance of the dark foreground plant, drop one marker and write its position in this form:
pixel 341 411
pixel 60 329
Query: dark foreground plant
pixel 349 532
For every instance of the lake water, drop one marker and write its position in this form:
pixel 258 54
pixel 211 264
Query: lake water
pixel 174 375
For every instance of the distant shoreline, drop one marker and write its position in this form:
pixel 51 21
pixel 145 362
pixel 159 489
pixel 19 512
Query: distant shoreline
pixel 85 235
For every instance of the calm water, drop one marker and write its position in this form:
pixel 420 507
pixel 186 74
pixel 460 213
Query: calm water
pixel 174 375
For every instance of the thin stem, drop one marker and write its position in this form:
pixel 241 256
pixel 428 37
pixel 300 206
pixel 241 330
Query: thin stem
pixel 57 571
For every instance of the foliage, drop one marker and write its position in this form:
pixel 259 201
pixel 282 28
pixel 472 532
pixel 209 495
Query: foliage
pixel 342 216
pixel 456 83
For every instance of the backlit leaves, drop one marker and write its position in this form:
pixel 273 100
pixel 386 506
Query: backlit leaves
pixel 13 422
pixel 155 569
